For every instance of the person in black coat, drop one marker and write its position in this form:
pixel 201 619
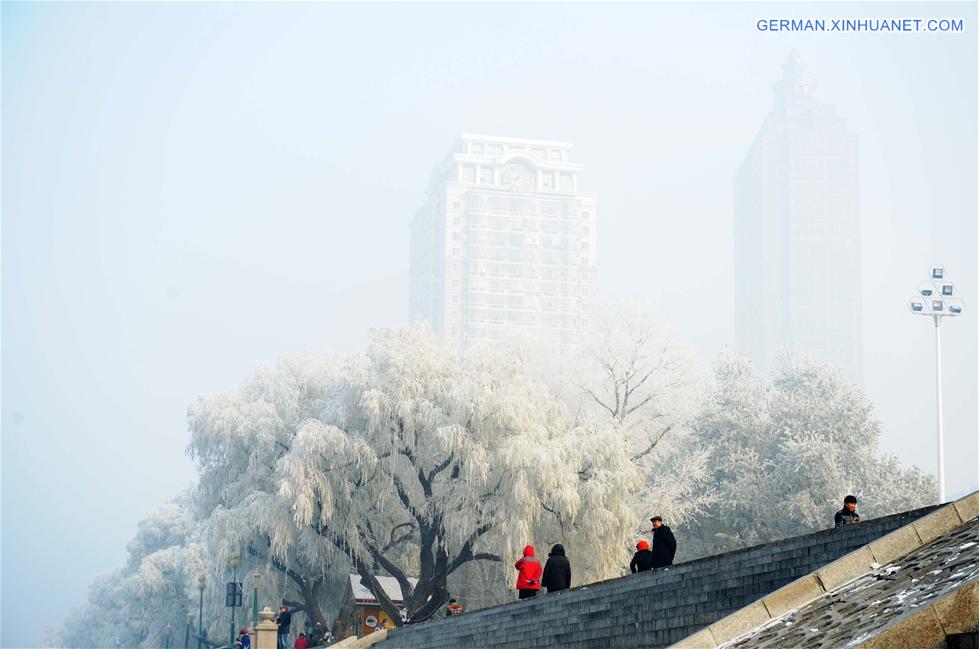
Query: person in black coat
pixel 557 571
pixel 642 560
pixel 284 620
pixel 848 515
pixel 664 543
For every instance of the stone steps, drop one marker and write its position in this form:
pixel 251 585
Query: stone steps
pixel 652 609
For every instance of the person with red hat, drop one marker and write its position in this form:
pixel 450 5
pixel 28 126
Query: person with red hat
pixel 244 640
pixel 642 560
pixel 529 573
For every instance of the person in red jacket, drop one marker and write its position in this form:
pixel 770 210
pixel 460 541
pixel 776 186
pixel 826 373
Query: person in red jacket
pixel 529 573
pixel 301 642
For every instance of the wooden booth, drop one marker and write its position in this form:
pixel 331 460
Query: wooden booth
pixel 361 613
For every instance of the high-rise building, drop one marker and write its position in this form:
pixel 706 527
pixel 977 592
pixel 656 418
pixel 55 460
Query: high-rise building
pixel 797 233
pixel 504 246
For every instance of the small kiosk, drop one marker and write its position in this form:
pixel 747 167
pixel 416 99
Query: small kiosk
pixel 361 613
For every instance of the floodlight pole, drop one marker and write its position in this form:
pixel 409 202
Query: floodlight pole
pixel 941 422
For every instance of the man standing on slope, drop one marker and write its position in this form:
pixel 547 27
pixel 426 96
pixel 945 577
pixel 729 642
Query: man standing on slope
pixel 848 515
pixel 664 543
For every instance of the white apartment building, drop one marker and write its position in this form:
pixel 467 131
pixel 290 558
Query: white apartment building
pixel 504 246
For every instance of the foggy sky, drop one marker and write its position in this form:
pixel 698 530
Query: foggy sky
pixel 190 190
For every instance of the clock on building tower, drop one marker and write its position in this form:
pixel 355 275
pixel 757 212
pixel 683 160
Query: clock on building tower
pixel 517 177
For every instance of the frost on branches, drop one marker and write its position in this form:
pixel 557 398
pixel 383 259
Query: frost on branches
pixel 634 375
pixel 132 606
pixel 412 460
pixel 785 454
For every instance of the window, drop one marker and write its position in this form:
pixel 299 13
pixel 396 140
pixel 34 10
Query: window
pixel 457 205
pixel 495 149
pixel 554 155
pixel 476 148
pixel 547 181
pixel 565 183
pixel 486 175
pixel 468 174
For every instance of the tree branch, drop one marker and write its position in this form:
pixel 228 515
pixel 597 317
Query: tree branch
pixel 652 445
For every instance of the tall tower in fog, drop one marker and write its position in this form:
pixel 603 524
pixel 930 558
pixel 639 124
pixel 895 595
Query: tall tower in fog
pixel 797 233
pixel 504 246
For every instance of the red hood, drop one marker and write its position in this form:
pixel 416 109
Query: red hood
pixel 528 551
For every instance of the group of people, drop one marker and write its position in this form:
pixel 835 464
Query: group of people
pixel 555 575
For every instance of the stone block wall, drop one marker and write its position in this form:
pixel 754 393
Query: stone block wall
pixel 651 609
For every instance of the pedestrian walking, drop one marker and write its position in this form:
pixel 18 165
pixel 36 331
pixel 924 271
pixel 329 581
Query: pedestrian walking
pixel 664 543
pixel 244 640
pixel 528 574
pixel 848 515
pixel 642 560
pixel 557 571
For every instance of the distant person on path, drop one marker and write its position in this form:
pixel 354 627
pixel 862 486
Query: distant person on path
pixel 454 608
pixel 284 619
pixel 302 642
pixel 557 571
pixel 664 543
pixel 848 515
pixel 642 560
pixel 529 573
pixel 244 640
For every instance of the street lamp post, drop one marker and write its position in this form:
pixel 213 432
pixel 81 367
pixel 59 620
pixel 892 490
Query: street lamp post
pixel 938 301
pixel 255 602
pixel 167 628
pixel 200 612
pixel 234 598
pixel 190 625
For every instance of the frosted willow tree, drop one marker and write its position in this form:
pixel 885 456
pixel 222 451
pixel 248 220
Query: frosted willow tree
pixel 785 454
pixel 239 441
pixel 412 460
pixel 132 606
pixel 634 376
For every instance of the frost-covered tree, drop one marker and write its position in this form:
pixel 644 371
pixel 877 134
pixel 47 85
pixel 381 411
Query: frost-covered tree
pixel 412 460
pixel 785 454
pixel 132 606
pixel 634 375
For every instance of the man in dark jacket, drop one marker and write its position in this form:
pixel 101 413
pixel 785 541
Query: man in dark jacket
pixel 557 571
pixel 848 515
pixel 284 619
pixel 664 543
pixel 642 560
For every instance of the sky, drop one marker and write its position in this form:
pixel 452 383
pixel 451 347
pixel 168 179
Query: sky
pixel 190 190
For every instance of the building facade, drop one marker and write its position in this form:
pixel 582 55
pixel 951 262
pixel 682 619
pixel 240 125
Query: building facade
pixel 797 234
pixel 504 247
